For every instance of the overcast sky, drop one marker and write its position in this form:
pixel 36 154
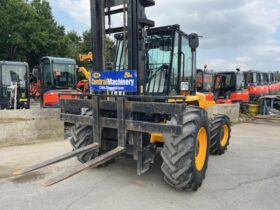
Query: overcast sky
pixel 237 33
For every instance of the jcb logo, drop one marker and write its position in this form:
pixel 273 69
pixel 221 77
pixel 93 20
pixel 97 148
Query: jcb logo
pixel 96 75
pixel 127 75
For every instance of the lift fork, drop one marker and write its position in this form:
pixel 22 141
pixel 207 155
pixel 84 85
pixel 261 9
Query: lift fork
pixel 92 163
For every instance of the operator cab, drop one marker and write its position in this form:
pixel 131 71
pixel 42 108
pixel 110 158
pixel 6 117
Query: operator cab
pixel 263 80
pixel 205 83
pixel 57 75
pixel 168 60
pixel 253 84
pixel 14 82
pixel 229 87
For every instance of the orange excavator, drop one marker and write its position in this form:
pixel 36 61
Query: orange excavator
pixel 57 76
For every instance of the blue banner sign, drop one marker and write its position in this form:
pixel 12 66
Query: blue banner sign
pixel 114 81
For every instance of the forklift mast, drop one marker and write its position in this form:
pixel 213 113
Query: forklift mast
pixel 134 24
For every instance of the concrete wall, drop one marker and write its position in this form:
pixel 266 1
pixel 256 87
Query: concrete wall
pixel 231 110
pixel 29 126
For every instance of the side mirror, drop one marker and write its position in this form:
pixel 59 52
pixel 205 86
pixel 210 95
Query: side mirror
pixel 193 41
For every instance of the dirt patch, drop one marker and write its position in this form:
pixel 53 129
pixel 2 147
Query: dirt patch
pixel 31 177
pixel 5 172
pixel 13 120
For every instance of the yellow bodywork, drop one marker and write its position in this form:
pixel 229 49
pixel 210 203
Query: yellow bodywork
pixel 199 100
pixel 87 57
pixel 85 72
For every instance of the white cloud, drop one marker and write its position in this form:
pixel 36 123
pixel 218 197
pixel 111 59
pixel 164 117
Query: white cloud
pixel 79 10
pixel 239 33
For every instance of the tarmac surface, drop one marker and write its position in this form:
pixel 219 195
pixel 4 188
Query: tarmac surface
pixel 246 177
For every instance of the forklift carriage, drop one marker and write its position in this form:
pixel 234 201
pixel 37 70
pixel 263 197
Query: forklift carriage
pixel 132 118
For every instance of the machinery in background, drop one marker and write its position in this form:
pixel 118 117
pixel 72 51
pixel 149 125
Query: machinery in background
pixel 84 84
pixel 229 87
pixel 273 84
pixel 14 85
pixel 254 85
pixel 57 76
pixel 264 82
pixel 205 83
pixel 35 84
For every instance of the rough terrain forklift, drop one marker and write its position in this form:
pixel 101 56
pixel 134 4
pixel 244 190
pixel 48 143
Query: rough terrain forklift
pixel 14 85
pixel 230 87
pixel 162 112
pixel 57 75
pixel 205 83
pixel 272 83
pixel 263 80
pixel 252 83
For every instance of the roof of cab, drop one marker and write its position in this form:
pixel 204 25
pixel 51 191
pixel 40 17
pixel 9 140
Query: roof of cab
pixel 59 60
pixel 13 63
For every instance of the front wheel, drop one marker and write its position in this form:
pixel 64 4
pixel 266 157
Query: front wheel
pixel 185 157
pixel 220 130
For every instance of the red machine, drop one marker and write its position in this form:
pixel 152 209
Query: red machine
pixel 253 82
pixel 264 82
pixel 205 83
pixel 273 85
pixel 58 75
pixel 229 87
pixel 277 76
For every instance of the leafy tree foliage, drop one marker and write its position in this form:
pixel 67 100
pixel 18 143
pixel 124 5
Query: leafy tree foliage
pixel 28 31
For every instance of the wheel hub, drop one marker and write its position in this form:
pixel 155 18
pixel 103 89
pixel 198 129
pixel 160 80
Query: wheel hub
pixel 201 149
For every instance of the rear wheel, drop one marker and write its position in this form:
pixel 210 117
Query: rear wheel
pixel 220 130
pixel 185 157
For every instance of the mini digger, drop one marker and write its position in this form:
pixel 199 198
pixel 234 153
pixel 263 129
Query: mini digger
pixel 164 112
pixel 14 82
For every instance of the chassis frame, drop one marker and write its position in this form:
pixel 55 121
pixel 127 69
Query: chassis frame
pixel 125 114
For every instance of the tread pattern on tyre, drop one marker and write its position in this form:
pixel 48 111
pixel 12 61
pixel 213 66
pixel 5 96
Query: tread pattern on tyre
pixel 178 153
pixel 81 136
pixel 215 129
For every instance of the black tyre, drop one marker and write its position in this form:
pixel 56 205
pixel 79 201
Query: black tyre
pixel 183 166
pixel 220 130
pixel 81 136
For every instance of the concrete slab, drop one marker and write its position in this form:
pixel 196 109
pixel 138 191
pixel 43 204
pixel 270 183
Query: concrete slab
pixel 29 126
pixel 231 110
pixel 246 177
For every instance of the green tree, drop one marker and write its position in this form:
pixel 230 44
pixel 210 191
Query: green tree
pixel 28 31
pixel 73 41
pixel 87 47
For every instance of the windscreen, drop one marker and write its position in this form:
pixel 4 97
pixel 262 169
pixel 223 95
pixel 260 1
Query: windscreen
pixel 159 47
pixel 239 81
pixel 13 73
pixel 265 78
pixel 159 50
pixel 250 78
pixel 63 75
pixel 204 82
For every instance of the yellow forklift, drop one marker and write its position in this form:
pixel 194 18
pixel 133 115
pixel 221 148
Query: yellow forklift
pixel 148 103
